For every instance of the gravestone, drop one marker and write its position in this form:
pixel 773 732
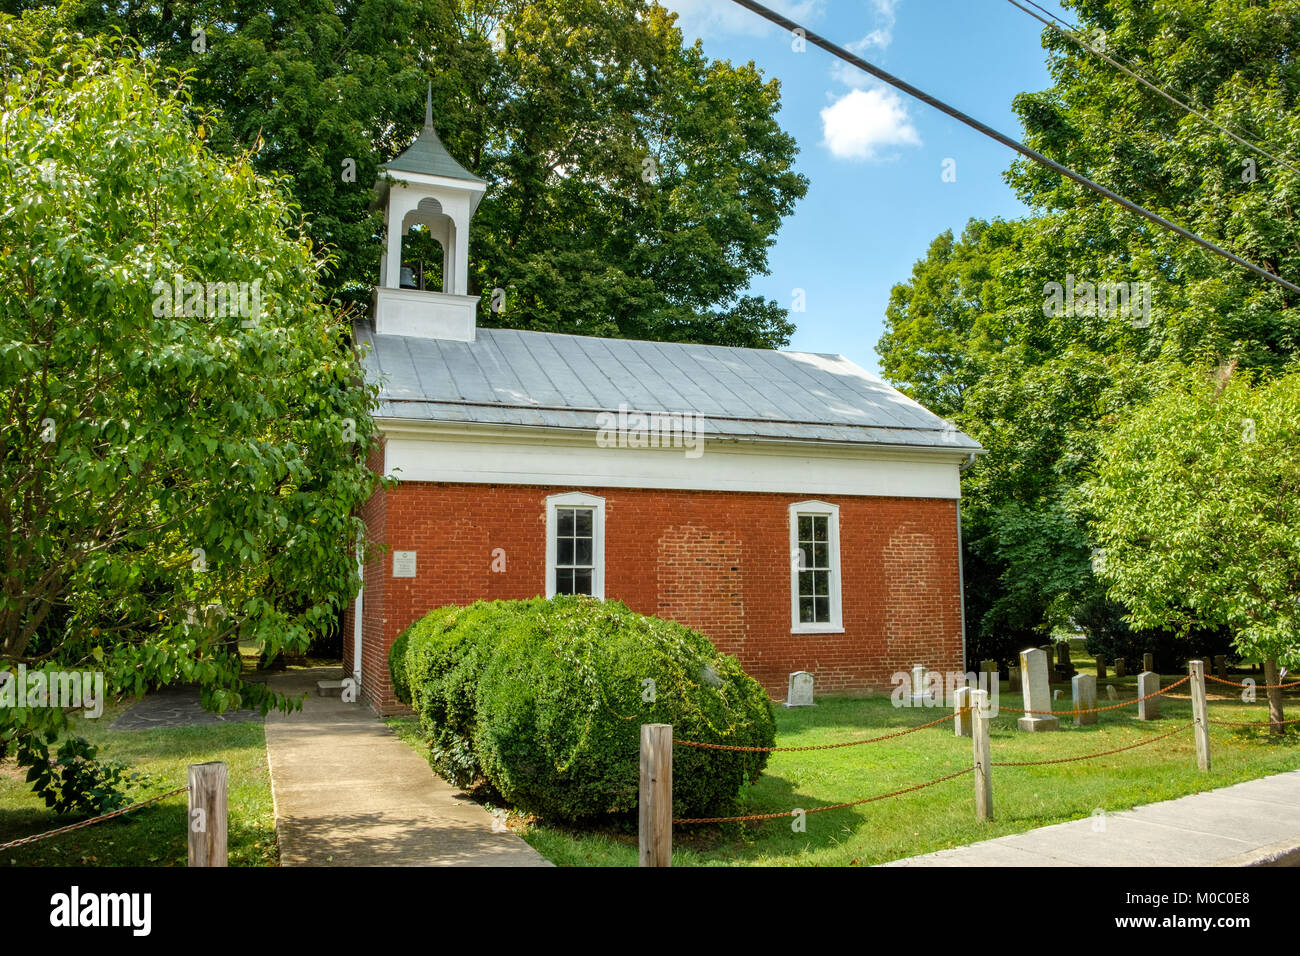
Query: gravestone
pixel 918 686
pixel 1111 692
pixel 1221 666
pixel 1064 669
pixel 1148 662
pixel 799 693
pixel 1013 679
pixel 1037 692
pixel 1050 654
pixel 1056 693
pixel 1119 667
pixel 1084 687
pixel 991 668
pixel 1148 683
pixel 961 723
pixel 1101 667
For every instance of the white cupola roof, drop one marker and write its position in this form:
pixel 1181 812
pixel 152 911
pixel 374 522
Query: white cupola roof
pixel 426 186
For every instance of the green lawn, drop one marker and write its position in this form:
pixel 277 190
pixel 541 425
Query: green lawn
pixel 154 835
pixel 942 816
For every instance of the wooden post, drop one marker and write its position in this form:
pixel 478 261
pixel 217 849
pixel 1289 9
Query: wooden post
pixel 207 816
pixel 655 808
pixel 979 702
pixel 1201 723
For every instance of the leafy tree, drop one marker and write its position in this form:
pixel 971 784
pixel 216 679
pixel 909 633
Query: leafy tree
pixel 968 333
pixel 635 186
pixel 182 436
pixel 1196 505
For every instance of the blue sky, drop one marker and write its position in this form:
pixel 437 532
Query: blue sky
pixel 875 157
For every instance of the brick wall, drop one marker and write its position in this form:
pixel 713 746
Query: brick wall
pixel 716 561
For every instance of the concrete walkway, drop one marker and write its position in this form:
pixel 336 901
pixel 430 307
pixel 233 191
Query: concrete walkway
pixel 1256 823
pixel 349 793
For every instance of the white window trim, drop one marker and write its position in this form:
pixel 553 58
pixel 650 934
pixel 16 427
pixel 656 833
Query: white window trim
pixel 836 624
pixel 597 505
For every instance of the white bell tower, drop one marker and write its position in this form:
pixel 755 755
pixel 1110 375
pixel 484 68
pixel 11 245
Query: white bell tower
pixel 430 188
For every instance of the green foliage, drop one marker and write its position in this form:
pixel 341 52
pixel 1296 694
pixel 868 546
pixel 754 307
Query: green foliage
pixel 968 333
pixel 546 700
pixel 74 781
pixel 558 104
pixel 174 480
pixel 1196 505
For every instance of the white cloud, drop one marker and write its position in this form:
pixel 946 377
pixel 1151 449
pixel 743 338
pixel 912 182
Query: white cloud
pixel 878 38
pixel 711 18
pixel 861 122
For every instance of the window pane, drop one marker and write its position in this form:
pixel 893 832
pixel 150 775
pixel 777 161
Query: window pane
pixel 805 527
pixel 582 522
pixel 823 609
pixel 821 556
pixel 805 583
pixel 564 551
pixel 563 580
pixel 564 520
pixel 805 610
pixel 582 552
pixel 581 582
pixel 821 583
pixel 820 532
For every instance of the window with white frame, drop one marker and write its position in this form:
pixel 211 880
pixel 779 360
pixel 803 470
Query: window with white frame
pixel 575 545
pixel 815 568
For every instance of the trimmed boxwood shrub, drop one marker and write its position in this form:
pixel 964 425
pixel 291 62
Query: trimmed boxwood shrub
pixel 435 665
pixel 546 699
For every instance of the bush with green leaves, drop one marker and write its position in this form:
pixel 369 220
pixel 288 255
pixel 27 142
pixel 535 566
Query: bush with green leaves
pixel 436 664
pixel 75 781
pixel 546 698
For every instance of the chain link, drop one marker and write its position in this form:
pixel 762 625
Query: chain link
pixel 85 823
pixel 1233 683
pixel 851 743
pixel 1098 710
pixel 1104 753
pixel 835 806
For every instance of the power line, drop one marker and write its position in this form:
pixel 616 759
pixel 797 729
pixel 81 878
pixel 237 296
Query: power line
pixel 1005 140
pixel 1075 35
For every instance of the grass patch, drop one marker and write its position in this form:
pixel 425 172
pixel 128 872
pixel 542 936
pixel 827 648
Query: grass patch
pixel 154 835
pixel 941 816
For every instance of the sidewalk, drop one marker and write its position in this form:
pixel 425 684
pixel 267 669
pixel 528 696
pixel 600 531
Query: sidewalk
pixel 349 793
pixel 1256 823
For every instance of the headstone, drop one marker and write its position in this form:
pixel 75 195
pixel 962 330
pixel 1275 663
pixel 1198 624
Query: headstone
pixel 1051 658
pixel 1148 683
pixel 1119 667
pixel 1221 666
pixel 1101 667
pixel 1037 692
pixel 1064 669
pixel 1056 693
pixel 1111 692
pixel 1084 687
pixel 799 693
pixel 1148 662
pixel 919 679
pixel 961 723
pixel 990 667
pixel 1013 679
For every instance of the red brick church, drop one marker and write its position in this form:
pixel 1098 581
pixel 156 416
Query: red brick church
pixel 794 508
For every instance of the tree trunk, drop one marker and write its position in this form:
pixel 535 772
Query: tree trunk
pixel 1271 679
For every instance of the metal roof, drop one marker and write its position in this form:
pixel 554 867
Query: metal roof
pixel 428 155
pixel 549 380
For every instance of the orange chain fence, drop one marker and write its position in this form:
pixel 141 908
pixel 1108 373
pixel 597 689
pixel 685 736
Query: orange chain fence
pixel 206 820
pixel 656 846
